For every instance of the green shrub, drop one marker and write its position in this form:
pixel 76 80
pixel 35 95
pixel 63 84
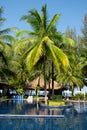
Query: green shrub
pixel 20 91
pixel 79 96
pixel 86 96
pixel 58 97
pixel 4 97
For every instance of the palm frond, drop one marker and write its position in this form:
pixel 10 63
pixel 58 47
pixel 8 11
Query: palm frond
pixel 30 58
pixel 22 33
pixel 57 55
pixel 62 58
pixel 7 30
pixel 39 53
pixel 33 18
pixel 77 81
pixel 68 41
pixel 49 51
pixel 21 46
pixel 7 38
pixel 3 57
pixel 2 20
pixel 53 21
pixel 44 16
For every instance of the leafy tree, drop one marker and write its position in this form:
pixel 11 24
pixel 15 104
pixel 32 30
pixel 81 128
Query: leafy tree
pixel 83 44
pixel 84 31
pixel 71 33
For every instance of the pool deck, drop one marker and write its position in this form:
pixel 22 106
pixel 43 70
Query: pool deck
pixel 75 101
pixel 1 100
pixel 8 116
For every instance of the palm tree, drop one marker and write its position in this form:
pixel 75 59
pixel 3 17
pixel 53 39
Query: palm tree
pixel 17 63
pixel 5 49
pixel 4 32
pixel 73 76
pixel 59 40
pixel 44 47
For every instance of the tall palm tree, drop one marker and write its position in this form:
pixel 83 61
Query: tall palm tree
pixel 44 47
pixel 5 39
pixel 59 40
pixel 5 48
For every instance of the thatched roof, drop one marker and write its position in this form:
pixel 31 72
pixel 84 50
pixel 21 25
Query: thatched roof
pixel 33 84
pixel 5 86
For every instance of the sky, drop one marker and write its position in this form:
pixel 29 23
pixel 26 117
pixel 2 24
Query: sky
pixel 72 12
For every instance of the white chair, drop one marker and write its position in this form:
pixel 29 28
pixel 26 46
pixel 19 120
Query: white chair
pixel 30 99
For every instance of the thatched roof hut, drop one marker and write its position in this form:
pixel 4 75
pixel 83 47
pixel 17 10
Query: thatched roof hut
pixel 39 81
pixel 5 86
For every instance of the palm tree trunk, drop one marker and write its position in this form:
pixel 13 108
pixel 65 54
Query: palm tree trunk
pixel 49 81
pixel 39 80
pixel 44 71
pixel 72 90
pixel 52 81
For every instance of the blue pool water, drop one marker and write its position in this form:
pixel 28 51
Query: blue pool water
pixel 75 118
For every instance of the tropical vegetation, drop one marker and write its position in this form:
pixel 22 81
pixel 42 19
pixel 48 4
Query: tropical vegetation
pixel 42 51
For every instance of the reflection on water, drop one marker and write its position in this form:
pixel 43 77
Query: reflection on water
pixel 75 118
pixel 80 107
pixel 25 108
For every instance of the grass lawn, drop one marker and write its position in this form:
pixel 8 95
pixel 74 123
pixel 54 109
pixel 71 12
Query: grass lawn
pixel 56 103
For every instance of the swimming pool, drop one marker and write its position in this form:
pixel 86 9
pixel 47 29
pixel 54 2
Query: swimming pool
pixel 75 118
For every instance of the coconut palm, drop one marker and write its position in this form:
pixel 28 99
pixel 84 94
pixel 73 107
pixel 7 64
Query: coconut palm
pixel 73 76
pixel 60 40
pixel 4 32
pixel 5 39
pixel 23 76
pixel 44 47
pixel 4 47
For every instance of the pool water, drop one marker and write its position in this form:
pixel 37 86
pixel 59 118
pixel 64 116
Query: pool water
pixel 75 118
pixel 21 107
